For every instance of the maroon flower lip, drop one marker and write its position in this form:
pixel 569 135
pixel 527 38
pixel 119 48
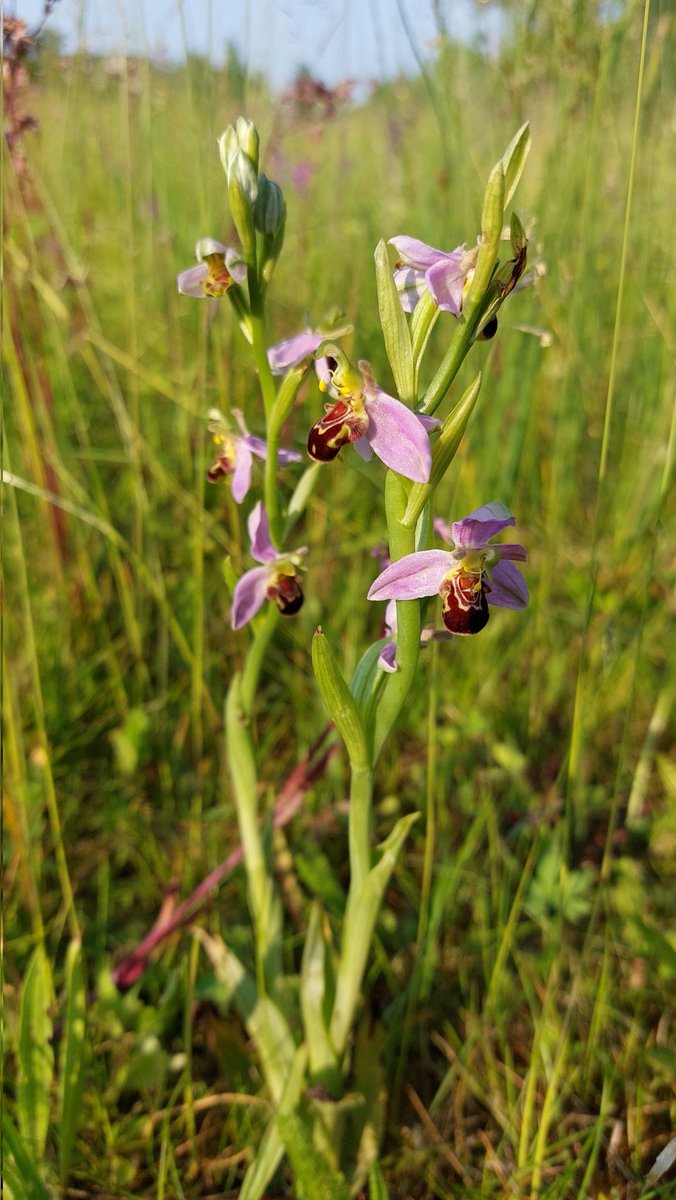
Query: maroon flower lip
pixel 464 607
pixel 340 426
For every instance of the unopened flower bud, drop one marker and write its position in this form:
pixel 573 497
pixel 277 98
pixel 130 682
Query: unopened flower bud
pixel 228 147
pixel 248 140
pixel 242 191
pixel 269 209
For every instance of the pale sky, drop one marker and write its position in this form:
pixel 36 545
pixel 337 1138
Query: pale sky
pixel 335 39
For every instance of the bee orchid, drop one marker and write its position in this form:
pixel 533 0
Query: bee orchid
pixel 468 578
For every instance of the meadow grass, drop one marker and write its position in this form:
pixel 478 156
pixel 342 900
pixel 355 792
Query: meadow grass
pixel 521 986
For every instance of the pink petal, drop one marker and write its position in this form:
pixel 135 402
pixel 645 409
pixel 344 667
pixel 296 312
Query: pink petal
pixel 241 478
pixel 411 286
pixel 387 659
pixel 262 548
pixel 446 280
pixel 413 576
pixel 288 456
pixel 444 530
pixel 481 525
pixel 508 587
pixel 236 265
pixel 398 437
pixel 256 445
pixel 293 350
pixel 363 448
pixel 190 282
pixel 513 550
pixel 239 417
pixel 249 595
pixel 414 253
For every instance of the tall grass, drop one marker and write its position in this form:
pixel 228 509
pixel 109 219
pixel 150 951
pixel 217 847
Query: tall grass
pixel 522 979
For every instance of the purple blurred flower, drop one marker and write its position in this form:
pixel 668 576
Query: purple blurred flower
pixel 420 268
pixel 277 579
pixel 235 454
pixel 465 577
pixel 220 268
pixel 374 422
pixel 302 176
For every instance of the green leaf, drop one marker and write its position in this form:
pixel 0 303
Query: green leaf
pixel 271 1149
pixel 395 327
pixel 301 494
pixel 443 452
pixel 22 1175
pixel 339 701
pixel 35 1054
pixel 514 160
pixel 360 918
pixel 315 1177
pixel 263 1018
pixel 71 1056
pixel 312 998
pixel 286 397
pixel 377 1186
pixel 423 321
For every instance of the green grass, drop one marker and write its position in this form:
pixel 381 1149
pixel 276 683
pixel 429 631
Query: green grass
pixel 522 982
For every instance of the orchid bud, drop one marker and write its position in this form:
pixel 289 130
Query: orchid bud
pixel 270 220
pixel 269 209
pixel 248 140
pixel 242 192
pixel 227 148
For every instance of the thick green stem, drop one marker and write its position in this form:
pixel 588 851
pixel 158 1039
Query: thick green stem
pixel 402 541
pixel 254 660
pixel 361 792
pixel 450 365
pixel 269 393
pixel 242 764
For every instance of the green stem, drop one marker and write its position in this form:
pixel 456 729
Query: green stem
pixel 361 793
pixel 242 764
pixel 450 364
pixel 254 660
pixel 269 393
pixel 402 541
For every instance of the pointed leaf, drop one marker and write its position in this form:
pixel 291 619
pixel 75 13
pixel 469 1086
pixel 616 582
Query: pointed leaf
pixel 315 1176
pixel 271 1149
pixel 312 996
pixel 339 701
pixel 395 328
pixel 360 918
pixel 264 1020
pixel 514 161
pixel 423 320
pixel 71 1057
pixel 22 1175
pixel 377 1186
pixel 35 1054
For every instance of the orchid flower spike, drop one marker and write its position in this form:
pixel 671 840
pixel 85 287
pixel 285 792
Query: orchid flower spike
pixel 235 453
pixel 220 268
pixel 421 268
pixel 277 579
pixel 362 413
pixel 468 577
